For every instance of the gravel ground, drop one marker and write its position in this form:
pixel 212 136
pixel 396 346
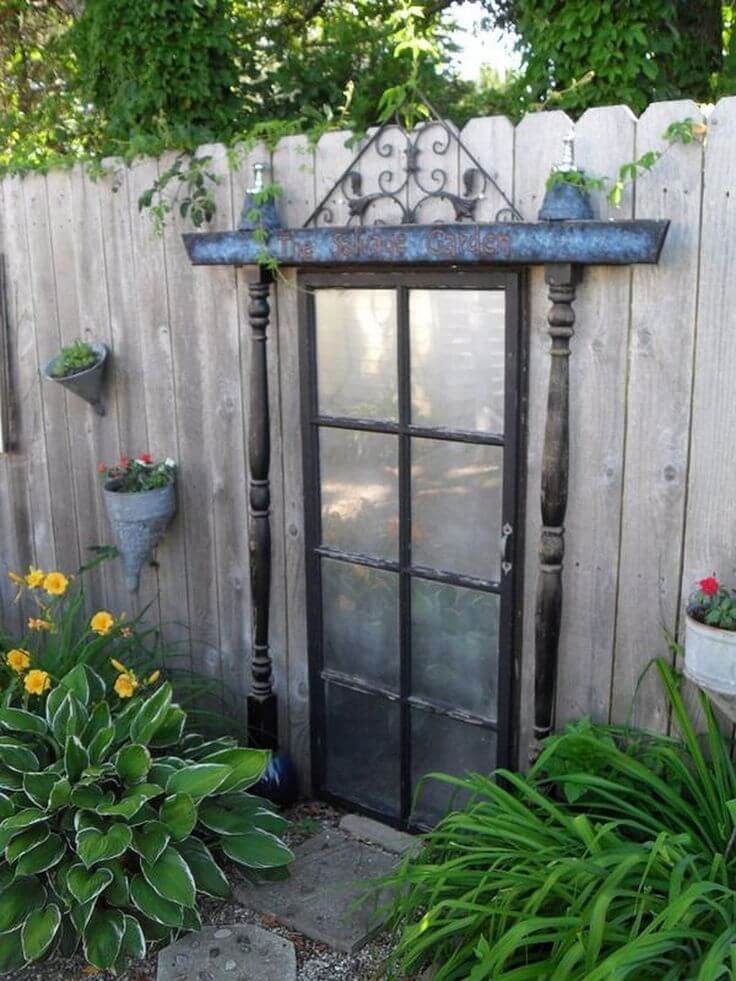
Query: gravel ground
pixel 315 961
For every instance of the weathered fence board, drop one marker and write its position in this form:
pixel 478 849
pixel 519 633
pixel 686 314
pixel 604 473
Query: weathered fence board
pixel 711 500
pixel 216 305
pixel 125 422
pixel 87 199
pixel 295 157
pixel 43 286
pixel 652 492
pixel 604 139
pixel 663 311
pixel 27 388
pixel 491 141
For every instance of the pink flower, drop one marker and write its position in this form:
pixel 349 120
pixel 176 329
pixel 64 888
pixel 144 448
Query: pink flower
pixel 145 458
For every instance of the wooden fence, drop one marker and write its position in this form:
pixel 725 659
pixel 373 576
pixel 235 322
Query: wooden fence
pixel 653 401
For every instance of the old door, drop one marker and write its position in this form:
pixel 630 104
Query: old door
pixel 412 400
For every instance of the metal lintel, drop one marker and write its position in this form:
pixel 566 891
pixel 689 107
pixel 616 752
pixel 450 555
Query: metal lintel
pixel 584 242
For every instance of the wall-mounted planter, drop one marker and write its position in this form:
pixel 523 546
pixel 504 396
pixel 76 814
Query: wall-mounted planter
pixel 139 520
pixel 86 384
pixel 710 656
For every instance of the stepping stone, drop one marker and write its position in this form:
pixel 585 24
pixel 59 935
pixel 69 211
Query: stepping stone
pixel 330 871
pixel 241 952
pixel 386 837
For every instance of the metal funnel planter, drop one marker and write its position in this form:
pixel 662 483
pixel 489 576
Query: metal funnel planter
pixel 86 384
pixel 139 520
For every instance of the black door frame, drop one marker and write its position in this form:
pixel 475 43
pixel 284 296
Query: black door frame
pixel 510 586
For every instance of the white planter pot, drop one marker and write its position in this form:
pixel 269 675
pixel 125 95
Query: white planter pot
pixel 710 656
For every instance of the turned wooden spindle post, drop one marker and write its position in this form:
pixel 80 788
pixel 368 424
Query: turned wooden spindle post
pixel 262 718
pixel 561 280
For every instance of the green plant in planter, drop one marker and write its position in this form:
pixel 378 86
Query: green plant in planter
pixel 112 822
pixel 713 604
pixel 138 473
pixel 75 357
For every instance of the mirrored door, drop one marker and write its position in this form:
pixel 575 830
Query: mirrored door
pixel 412 400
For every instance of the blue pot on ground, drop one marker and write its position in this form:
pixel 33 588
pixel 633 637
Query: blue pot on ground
pixel 280 783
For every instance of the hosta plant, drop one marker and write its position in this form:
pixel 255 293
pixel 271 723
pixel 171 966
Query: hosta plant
pixel 113 822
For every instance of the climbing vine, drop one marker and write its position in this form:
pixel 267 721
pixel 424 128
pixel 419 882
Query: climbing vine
pixel 680 131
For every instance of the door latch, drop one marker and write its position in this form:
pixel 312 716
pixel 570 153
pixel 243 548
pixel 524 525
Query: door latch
pixel 506 533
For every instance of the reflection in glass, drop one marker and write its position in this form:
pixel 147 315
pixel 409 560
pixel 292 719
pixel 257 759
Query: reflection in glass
pixel 457 358
pixel 363 759
pixel 454 639
pixel 360 619
pixel 359 478
pixel 441 744
pixel 356 353
pixel 456 503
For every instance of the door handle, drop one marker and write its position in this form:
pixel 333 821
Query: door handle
pixel 506 533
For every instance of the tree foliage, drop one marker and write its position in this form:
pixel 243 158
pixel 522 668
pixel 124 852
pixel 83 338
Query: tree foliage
pixel 130 76
pixel 627 51
pixel 147 65
pixel 123 77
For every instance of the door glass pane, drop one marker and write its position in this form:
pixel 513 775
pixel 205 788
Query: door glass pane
pixel 363 759
pixel 360 619
pixel 356 353
pixel 360 495
pixel 456 502
pixel 454 640
pixel 444 745
pixel 457 342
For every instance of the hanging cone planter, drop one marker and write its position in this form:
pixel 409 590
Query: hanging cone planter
pixel 140 498
pixel 87 384
pixel 139 520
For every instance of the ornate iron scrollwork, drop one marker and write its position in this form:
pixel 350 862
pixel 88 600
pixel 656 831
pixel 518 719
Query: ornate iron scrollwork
pixel 405 185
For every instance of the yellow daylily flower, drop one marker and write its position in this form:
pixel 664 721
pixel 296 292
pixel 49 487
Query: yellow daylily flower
pixel 35 577
pixel 125 685
pixel 153 677
pixel 102 623
pixel 56 583
pixel 18 580
pixel 36 682
pixel 18 659
pixel 118 666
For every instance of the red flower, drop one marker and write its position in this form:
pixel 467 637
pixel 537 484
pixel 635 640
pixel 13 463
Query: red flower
pixel 709 586
pixel 145 458
pixel 101 467
pixel 124 461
